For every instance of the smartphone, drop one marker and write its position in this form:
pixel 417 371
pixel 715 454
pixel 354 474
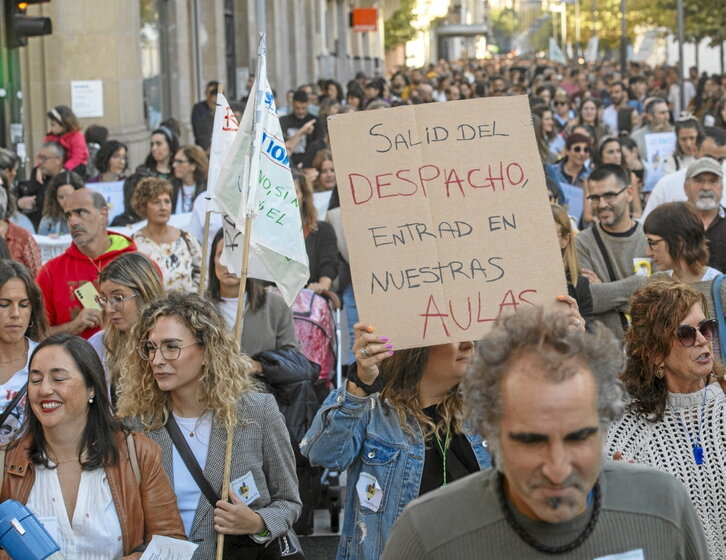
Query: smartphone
pixel 86 294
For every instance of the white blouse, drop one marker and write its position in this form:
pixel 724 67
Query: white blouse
pixel 95 533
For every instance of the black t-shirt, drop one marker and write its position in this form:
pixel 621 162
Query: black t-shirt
pixel 460 459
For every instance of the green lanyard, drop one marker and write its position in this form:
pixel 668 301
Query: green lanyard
pixel 444 449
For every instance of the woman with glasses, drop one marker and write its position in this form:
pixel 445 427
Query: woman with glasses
pixel 676 418
pixel 22 325
pixel 196 389
pixel 177 253
pixel 563 113
pixel 677 243
pixel 127 284
pixel 190 165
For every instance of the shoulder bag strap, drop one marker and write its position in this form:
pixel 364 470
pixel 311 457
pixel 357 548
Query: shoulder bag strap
pixel 8 409
pixel 133 458
pixel 611 270
pixel 190 461
pixel 718 306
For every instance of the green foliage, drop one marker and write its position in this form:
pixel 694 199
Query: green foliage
pixel 398 29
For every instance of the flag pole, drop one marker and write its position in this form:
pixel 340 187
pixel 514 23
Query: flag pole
pixel 252 179
pixel 207 211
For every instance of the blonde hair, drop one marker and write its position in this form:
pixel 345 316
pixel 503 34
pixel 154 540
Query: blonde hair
pixel 136 272
pixel 402 373
pixel 569 255
pixel 224 378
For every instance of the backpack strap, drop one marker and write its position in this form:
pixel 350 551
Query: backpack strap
pixel 132 457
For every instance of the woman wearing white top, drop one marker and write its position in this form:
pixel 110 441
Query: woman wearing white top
pixel 193 379
pixel 190 165
pixel 127 284
pixel 101 492
pixel 22 325
pixel 175 251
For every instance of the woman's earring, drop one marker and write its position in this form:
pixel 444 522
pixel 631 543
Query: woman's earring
pixel 90 400
pixel 659 372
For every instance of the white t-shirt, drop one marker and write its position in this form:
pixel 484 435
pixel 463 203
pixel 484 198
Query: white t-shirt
pixel 8 390
pixel 187 492
pixel 670 188
pixel 185 202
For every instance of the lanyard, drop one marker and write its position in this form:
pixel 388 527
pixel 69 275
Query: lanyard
pixel 443 450
pixel 696 446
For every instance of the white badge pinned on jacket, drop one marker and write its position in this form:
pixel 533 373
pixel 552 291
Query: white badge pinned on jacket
pixel 369 491
pixel 630 555
pixel 245 488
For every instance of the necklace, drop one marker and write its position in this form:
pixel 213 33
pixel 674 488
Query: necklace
pixel 59 462
pixel 696 446
pixel 193 422
pixel 22 356
pixel 534 543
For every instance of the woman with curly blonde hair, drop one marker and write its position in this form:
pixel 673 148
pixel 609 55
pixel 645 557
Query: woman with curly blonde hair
pixel 676 418
pixel 396 426
pixel 186 387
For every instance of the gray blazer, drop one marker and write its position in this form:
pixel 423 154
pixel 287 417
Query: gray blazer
pixel 261 446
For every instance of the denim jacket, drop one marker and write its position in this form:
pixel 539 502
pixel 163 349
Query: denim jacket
pixel 364 436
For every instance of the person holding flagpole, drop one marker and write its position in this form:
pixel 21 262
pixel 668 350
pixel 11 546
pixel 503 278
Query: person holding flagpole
pixel 197 389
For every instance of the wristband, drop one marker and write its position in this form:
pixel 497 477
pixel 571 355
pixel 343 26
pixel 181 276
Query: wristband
pixel 374 387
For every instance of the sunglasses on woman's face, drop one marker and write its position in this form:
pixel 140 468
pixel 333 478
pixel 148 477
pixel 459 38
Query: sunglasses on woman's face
pixel 687 335
pixel 578 149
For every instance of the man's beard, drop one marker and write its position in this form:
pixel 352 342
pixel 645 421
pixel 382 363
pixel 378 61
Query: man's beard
pixel 706 201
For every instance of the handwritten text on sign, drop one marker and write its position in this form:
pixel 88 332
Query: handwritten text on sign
pixel 446 217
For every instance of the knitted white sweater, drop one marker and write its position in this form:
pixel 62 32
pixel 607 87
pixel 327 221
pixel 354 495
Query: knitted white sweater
pixel 666 445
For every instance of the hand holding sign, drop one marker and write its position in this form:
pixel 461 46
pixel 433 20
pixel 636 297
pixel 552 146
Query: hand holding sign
pixel 446 217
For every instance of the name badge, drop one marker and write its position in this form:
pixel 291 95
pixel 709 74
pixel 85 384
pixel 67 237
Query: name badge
pixel 630 555
pixel 245 488
pixel 369 491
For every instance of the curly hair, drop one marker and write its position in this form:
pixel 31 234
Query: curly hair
pixel 656 311
pixel 50 205
pixel 105 153
pixel 682 229
pixel 137 272
pixel 560 353
pixel 402 373
pixel 224 377
pixel 148 189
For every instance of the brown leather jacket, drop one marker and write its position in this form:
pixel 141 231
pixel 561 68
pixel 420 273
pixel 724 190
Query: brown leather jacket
pixel 143 510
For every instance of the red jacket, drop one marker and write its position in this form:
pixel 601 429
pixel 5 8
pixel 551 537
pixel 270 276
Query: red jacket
pixel 60 276
pixel 75 146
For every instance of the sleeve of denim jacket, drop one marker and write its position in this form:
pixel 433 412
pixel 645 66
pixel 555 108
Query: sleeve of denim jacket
pixel 336 436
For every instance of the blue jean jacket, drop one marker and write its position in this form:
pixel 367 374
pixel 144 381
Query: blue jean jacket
pixel 363 435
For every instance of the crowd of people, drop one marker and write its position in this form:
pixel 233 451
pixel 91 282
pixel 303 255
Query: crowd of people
pixel 124 389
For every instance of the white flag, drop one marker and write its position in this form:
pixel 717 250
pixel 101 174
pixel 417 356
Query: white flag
pixel 223 133
pixel 277 246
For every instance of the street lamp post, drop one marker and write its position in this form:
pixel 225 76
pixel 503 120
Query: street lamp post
pixel 681 39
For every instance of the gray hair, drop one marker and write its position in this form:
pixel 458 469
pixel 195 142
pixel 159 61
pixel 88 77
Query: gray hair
pixel 559 351
pixel 99 201
pixel 59 150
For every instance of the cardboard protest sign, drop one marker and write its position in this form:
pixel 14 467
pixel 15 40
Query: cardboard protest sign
pixel 446 217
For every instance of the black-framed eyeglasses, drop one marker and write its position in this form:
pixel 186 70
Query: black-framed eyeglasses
pixel 609 197
pixel 578 149
pixel 653 242
pixel 115 301
pixel 686 334
pixel 170 349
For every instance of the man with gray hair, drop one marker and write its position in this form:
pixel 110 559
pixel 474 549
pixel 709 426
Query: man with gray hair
pixel 544 396
pixel 704 189
pixel 93 247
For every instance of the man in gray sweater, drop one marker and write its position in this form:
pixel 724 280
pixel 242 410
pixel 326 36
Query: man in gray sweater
pixel 544 394
pixel 607 251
